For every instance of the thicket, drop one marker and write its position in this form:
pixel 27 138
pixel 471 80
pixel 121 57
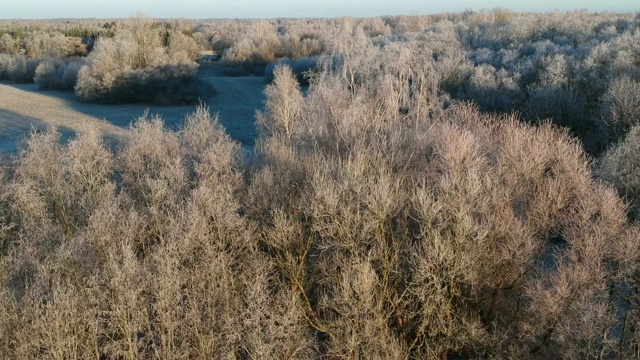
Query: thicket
pixel 575 68
pixel 380 215
pixel 142 63
pixel 554 65
pixel 568 67
pixel 17 68
pixel 620 166
pixel 247 47
pixel 303 68
pixel 377 218
pixel 23 49
pixel 136 60
pixel 58 74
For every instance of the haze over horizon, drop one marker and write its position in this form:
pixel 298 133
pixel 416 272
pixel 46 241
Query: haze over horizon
pixel 201 9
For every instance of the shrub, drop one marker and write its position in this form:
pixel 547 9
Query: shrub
pixel 244 51
pixel 17 68
pixel 162 86
pixel 332 195
pixel 302 68
pixel 620 166
pixel 494 90
pixel 52 44
pixel 182 49
pixel 621 103
pixel 255 45
pixel 100 224
pixel 9 45
pixel 58 74
pixel 283 105
pixel 135 67
pixel 260 45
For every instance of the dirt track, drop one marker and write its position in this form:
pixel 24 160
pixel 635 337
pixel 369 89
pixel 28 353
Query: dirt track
pixel 24 106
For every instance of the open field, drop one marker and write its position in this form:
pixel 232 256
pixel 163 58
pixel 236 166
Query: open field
pixel 23 106
pixel 236 102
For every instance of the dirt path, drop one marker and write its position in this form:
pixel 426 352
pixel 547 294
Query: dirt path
pixel 24 106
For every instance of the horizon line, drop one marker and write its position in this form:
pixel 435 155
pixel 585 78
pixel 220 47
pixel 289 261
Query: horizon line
pixel 324 17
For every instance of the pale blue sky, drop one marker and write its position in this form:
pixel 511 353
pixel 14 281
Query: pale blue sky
pixel 35 9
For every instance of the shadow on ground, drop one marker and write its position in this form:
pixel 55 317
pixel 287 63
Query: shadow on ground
pixel 235 102
pixel 15 129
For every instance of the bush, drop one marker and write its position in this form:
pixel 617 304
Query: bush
pixel 621 103
pixel 182 49
pixel 302 68
pixel 620 166
pixel 135 67
pixel 52 44
pixel 244 58
pixel 58 74
pixel 257 44
pixel 9 45
pixel 107 269
pixel 161 86
pixel 496 222
pixel 17 68
pixel 260 46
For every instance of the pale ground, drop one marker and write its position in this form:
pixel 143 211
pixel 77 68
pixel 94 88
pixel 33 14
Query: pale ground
pixel 23 107
pixel 236 102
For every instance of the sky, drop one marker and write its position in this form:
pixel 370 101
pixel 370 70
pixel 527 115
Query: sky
pixel 200 9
